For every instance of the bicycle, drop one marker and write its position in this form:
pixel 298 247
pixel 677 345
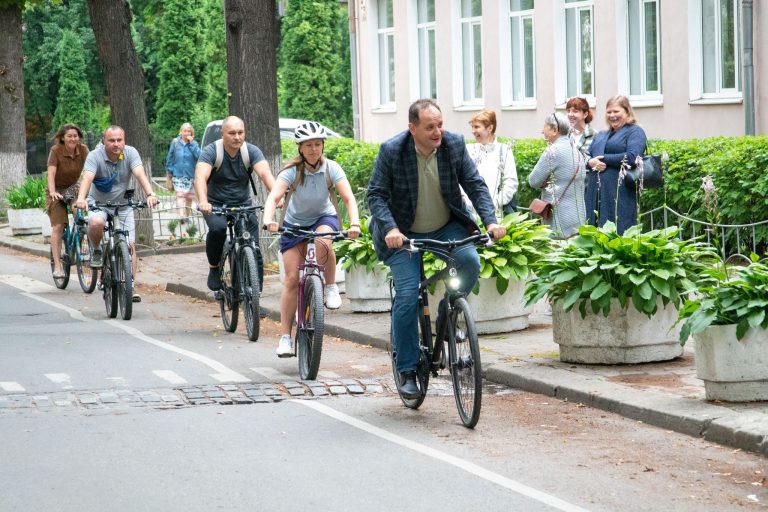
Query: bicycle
pixel 456 327
pixel 117 271
pixel 310 315
pixel 75 250
pixel 240 270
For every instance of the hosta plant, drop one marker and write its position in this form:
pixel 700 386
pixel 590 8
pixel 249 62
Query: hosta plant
pixel 741 299
pixel 599 265
pixel 510 258
pixel 359 251
pixel 29 194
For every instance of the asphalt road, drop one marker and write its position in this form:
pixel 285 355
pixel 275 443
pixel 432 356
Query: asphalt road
pixel 100 414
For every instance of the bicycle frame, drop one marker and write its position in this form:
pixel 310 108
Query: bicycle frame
pixel 309 267
pixel 238 235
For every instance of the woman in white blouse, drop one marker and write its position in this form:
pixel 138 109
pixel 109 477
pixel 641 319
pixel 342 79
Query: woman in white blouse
pixel 494 161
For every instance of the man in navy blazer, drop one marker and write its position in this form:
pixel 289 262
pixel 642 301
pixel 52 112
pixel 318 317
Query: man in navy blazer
pixel 414 193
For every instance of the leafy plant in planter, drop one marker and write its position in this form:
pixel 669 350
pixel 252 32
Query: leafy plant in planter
pixel 599 265
pixel 509 258
pixel 741 300
pixel 29 194
pixel 357 252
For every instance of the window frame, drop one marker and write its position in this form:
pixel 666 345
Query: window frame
pixel 561 57
pixel 418 71
pixel 646 98
pixel 506 66
pixel 475 101
pixel 378 84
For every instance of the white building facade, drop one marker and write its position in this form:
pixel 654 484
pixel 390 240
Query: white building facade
pixel 681 62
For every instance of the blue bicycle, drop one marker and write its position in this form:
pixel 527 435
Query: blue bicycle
pixel 75 250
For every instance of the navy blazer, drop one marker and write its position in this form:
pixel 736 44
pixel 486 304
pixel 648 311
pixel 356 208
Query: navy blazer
pixel 393 188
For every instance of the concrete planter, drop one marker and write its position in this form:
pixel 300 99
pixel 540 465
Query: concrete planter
pixel 368 291
pixel 26 221
pixel 494 313
pixel 625 336
pixel 732 370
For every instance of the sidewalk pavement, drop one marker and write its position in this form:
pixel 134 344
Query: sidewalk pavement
pixel 667 395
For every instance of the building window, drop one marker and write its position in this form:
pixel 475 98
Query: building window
pixel 579 45
pixel 425 28
pixel 523 75
pixel 643 47
pixel 386 49
pixel 720 44
pixel 470 21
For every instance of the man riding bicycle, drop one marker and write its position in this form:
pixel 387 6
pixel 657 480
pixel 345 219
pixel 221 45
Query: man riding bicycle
pixel 222 178
pixel 109 168
pixel 414 193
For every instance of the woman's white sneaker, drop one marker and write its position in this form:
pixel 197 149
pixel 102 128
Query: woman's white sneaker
pixel 332 297
pixel 285 346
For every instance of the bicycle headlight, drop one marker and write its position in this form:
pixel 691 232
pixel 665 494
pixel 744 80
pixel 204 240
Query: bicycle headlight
pixel 246 235
pixel 453 281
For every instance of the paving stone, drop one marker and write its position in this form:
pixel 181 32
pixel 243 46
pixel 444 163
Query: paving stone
pixel 223 401
pixel 332 383
pixel 271 392
pixel 369 382
pixel 291 385
pixel 194 395
pixel 350 382
pixel 296 391
pixel 311 383
pixel 229 387
pixel 338 390
pixel 108 398
pixel 130 397
pixel 203 401
pixel 6 404
pixel 356 389
pixel 261 400
pixel 88 399
pixel 319 391
pixel 242 399
pixel 42 401
pixel 217 393
pixel 374 388
pixel 170 398
pixel 253 393
pixel 149 396
pixel 63 403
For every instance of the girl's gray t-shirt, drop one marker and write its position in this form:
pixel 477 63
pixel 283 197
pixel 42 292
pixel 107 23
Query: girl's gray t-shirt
pixel 311 201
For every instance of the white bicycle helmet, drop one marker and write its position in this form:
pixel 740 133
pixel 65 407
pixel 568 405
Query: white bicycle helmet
pixel 309 131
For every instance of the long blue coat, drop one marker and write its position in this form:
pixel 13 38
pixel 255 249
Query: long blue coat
pixel 605 199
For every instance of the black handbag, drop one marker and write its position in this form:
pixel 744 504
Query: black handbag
pixel 648 175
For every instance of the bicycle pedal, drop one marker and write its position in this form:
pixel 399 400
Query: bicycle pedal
pixel 218 295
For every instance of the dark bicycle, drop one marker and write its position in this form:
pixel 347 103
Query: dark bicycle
pixel 117 271
pixel 310 315
pixel 240 270
pixel 456 326
pixel 75 250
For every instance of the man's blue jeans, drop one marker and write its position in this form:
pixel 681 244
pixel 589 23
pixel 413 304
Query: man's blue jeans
pixel 405 266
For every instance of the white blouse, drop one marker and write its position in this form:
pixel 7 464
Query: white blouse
pixel 496 164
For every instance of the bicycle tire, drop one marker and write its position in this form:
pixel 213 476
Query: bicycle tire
pixel 249 291
pixel 228 302
pixel 85 274
pixel 109 284
pixel 465 365
pixel 61 282
pixel 309 339
pixel 124 279
pixel 422 368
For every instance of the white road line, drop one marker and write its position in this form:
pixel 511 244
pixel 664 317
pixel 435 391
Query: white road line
pixel 60 378
pixel 72 312
pixel 467 466
pixel 272 374
pixel 170 376
pixel 13 387
pixel 26 284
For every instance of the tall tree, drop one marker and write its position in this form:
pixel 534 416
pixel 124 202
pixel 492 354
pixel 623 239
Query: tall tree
pixel 13 156
pixel 252 76
pixel 314 79
pixel 73 103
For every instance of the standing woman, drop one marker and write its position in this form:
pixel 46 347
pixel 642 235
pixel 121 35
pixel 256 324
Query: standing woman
pixel 608 199
pixel 560 174
pixel 311 209
pixel 65 164
pixel 580 116
pixel 494 161
pixel 180 164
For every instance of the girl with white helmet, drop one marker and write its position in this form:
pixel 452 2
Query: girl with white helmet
pixel 310 208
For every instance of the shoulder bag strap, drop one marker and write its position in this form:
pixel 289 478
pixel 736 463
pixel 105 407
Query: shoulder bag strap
pixel 575 173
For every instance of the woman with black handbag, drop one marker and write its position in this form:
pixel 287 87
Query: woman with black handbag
pixel 613 152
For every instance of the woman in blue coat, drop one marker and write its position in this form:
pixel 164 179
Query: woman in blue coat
pixel 180 164
pixel 606 197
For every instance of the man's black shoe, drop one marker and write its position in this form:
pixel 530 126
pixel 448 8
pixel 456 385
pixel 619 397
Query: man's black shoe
pixel 214 280
pixel 262 312
pixel 407 385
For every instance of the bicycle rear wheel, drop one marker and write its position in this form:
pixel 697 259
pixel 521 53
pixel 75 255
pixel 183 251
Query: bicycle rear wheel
pixel 228 304
pixel 309 339
pixel 249 291
pixel 423 367
pixel 85 274
pixel 61 282
pixel 466 370
pixel 110 284
pixel 124 279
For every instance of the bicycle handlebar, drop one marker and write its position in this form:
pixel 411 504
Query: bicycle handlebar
pixel 426 244
pixel 109 204
pixel 224 210
pixel 294 232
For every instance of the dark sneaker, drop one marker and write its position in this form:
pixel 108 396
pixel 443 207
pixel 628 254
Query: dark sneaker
pixel 407 385
pixel 214 279
pixel 97 258
pixel 262 312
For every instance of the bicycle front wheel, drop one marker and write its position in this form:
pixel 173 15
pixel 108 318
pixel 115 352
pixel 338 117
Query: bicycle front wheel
pixel 61 282
pixel 85 274
pixel 309 338
pixel 466 370
pixel 109 282
pixel 124 278
pixel 228 304
pixel 423 366
pixel 249 291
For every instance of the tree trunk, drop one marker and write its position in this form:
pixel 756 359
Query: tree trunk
pixel 252 41
pixel 111 21
pixel 13 155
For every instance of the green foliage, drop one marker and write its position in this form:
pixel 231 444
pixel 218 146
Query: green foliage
pixel 599 265
pixel 741 300
pixel 172 225
pixel 314 80
pixel 73 103
pixel 358 252
pixel 29 194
